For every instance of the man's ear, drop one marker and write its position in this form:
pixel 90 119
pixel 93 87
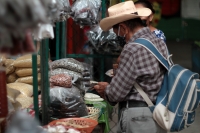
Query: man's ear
pixel 151 17
pixel 124 29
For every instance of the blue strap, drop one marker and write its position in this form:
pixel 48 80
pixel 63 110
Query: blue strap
pixel 151 48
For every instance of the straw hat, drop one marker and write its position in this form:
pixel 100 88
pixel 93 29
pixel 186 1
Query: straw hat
pixel 122 12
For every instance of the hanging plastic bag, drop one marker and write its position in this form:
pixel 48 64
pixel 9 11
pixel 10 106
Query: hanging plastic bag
pixel 86 12
pixel 103 42
pixel 43 31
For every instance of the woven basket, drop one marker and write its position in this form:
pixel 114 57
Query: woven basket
pixel 93 113
pixel 84 125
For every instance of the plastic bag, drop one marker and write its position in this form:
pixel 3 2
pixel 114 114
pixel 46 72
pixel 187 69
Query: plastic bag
pixel 86 12
pixel 22 122
pixel 62 80
pixel 64 104
pixel 43 31
pixel 17 12
pixel 74 90
pixel 23 72
pixel 25 89
pixel 74 75
pixel 26 61
pixel 103 42
pixel 28 79
pixel 68 63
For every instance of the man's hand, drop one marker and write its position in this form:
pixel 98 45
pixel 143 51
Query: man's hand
pixel 100 88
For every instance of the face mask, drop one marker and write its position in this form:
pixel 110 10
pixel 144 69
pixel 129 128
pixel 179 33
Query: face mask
pixel 121 39
pixel 144 22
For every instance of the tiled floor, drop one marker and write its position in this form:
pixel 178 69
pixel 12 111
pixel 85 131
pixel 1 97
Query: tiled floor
pixel 181 55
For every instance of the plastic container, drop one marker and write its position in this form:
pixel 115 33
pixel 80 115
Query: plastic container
pixel 84 125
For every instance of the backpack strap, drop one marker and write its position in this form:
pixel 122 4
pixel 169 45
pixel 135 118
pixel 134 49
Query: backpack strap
pixel 143 94
pixel 151 48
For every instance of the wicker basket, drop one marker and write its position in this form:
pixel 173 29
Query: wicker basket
pixel 84 125
pixel 93 113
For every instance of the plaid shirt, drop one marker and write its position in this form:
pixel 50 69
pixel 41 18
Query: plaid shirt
pixel 137 65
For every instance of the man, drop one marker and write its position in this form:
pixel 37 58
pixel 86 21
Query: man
pixel 136 65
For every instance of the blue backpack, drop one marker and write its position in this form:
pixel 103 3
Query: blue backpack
pixel 178 97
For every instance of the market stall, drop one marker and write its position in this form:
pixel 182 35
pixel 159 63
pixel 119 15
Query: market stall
pixel 54 92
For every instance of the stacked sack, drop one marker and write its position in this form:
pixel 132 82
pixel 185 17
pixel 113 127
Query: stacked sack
pixel 67 80
pixel 20 95
pixel 68 71
pixel 23 70
pixel 20 80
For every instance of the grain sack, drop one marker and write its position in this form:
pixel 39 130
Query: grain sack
pixel 25 61
pixel 25 89
pixel 8 62
pixel 28 79
pixel 17 105
pixel 12 94
pixel 24 101
pixel 23 72
pixel 10 69
pixel 62 80
pixel 11 78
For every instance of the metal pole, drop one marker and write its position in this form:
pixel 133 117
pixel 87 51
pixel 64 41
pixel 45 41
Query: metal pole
pixel 63 39
pixel 103 8
pixel 57 40
pixel 102 68
pixel 44 48
pixel 35 85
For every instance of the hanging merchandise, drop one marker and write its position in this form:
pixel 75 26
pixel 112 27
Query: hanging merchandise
pixel 86 12
pixel 21 14
pixel 43 31
pixel 103 42
pixel 58 10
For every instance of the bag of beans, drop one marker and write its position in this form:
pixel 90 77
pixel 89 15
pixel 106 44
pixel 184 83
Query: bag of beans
pixel 25 89
pixel 23 72
pixel 68 63
pixel 25 61
pixel 62 80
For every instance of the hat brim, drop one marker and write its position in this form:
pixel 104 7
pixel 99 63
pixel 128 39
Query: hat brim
pixel 107 23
